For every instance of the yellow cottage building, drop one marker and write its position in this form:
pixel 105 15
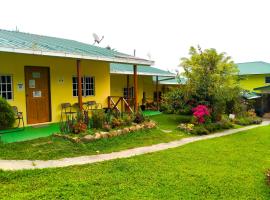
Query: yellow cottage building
pixel 40 73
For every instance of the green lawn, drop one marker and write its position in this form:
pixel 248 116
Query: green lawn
pixel 53 148
pixel 230 167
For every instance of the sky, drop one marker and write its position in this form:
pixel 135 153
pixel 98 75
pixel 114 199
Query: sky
pixel 163 29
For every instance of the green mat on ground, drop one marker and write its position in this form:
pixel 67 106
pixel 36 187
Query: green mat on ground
pixel 28 133
pixel 151 112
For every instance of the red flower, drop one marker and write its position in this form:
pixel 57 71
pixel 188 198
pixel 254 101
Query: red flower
pixel 200 112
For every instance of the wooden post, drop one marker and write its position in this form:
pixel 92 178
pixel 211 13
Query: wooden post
pixel 109 102
pixel 128 95
pixel 79 81
pixel 157 97
pixel 135 79
pixel 262 105
pixel 127 88
pixel 122 105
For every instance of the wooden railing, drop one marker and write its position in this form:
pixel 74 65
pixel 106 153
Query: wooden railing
pixel 120 104
pixel 151 103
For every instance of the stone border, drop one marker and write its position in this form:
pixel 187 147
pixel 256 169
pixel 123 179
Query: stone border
pixel 113 133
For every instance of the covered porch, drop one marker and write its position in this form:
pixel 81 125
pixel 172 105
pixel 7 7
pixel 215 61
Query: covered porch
pixel 138 87
pixel 263 104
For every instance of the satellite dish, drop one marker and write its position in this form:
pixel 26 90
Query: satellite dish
pixel 97 39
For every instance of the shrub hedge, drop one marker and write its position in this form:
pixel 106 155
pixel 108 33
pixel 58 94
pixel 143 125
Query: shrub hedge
pixel 7 115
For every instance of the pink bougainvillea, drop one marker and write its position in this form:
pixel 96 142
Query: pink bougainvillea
pixel 200 113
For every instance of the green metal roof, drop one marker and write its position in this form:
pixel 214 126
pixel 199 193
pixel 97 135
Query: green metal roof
pixel 19 42
pixel 174 81
pixel 117 68
pixel 252 68
pixel 250 95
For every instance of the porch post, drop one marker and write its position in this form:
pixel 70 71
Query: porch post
pixel 127 88
pixel 157 97
pixel 135 79
pixel 79 81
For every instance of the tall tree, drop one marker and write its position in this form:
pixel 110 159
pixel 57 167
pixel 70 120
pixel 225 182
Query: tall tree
pixel 211 78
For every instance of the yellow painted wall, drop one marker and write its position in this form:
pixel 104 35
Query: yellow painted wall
pixel 60 69
pixel 252 81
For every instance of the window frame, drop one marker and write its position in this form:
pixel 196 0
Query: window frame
pixel 93 86
pixel 131 92
pixel 84 88
pixel 11 89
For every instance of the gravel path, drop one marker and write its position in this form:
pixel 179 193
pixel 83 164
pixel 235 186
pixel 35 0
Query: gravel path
pixel 81 160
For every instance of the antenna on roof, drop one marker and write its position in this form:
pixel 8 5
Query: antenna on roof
pixel 149 55
pixel 16 29
pixel 97 39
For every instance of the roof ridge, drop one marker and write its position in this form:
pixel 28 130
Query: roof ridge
pixel 159 69
pixel 253 62
pixel 116 67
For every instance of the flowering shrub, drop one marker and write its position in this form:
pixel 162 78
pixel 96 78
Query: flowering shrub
pixel 200 113
pixel 7 115
pixel 186 127
pixel 251 113
pixel 79 127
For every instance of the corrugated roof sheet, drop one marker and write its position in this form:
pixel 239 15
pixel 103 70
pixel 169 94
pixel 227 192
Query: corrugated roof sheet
pixel 250 95
pixel 174 81
pixel 252 68
pixel 117 68
pixel 39 43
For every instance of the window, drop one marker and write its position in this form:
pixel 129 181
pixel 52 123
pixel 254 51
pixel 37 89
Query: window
pixel 6 87
pixel 131 92
pixel 267 79
pixel 88 86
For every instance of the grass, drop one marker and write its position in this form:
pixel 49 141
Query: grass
pixel 231 167
pixel 55 148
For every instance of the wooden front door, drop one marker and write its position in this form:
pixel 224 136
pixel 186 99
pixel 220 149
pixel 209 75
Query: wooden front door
pixel 37 94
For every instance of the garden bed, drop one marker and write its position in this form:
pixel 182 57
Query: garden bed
pixel 107 134
pixel 48 148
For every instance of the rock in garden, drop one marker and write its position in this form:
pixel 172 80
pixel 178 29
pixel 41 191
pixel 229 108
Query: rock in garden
pixel 125 130
pixel 88 138
pixel 113 133
pixel 110 135
pixel 132 128
pixel 75 139
pixel 97 136
pixel 119 132
pixel 138 127
pixel 104 134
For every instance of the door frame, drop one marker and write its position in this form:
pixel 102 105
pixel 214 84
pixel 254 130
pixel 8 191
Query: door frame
pixel 49 91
